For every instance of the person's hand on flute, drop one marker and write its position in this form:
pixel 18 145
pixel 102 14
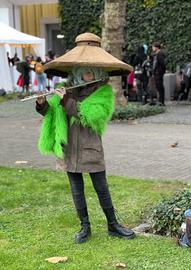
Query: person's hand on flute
pixel 41 100
pixel 60 92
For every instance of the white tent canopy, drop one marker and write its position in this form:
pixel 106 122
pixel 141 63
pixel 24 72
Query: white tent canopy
pixel 31 2
pixel 9 35
pixel 12 37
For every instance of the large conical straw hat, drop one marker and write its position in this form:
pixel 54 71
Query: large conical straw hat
pixel 87 53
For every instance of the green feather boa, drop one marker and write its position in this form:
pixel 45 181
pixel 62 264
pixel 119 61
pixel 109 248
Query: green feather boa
pixel 97 109
pixel 94 112
pixel 54 129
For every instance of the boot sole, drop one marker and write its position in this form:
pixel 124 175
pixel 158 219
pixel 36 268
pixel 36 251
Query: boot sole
pixel 82 240
pixel 114 234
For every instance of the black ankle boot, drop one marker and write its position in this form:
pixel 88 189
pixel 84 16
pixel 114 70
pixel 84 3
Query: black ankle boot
pixel 114 228
pixel 83 235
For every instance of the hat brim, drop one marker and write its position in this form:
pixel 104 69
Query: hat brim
pixel 64 73
pixel 91 56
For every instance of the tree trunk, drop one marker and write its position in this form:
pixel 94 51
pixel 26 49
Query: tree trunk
pixel 113 21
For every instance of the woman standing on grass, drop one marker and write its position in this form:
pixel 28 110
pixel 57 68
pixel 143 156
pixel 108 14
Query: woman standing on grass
pixel 74 122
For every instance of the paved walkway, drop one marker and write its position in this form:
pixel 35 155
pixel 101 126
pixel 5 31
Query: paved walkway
pixel 141 149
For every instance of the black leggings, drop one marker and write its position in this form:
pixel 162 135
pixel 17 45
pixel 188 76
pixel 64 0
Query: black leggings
pixel 100 185
pixel 160 88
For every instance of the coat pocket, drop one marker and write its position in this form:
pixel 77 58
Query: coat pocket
pixel 91 147
pixel 92 155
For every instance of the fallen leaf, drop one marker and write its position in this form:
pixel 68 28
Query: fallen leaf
pixel 21 162
pixel 57 259
pixel 121 265
pixel 174 144
pixel 177 210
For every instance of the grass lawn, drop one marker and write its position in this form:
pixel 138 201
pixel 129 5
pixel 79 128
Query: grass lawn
pixel 8 97
pixel 37 221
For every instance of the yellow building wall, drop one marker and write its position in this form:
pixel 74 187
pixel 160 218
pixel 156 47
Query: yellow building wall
pixel 32 14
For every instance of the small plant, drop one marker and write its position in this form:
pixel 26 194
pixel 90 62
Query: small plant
pixel 168 215
pixel 133 111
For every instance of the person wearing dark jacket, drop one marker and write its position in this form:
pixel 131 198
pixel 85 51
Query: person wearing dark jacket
pixel 82 114
pixel 159 70
pixel 74 122
pixel 141 75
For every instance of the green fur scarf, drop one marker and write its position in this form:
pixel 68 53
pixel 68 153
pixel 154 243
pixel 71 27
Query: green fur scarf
pixel 94 112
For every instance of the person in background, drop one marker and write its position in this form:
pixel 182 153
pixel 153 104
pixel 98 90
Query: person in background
pixel 141 76
pixel 185 240
pixel 40 75
pixel 159 69
pixel 26 73
pixel 32 61
pixel 34 83
pixel 15 59
pixel 51 54
pixel 9 59
pixel 130 93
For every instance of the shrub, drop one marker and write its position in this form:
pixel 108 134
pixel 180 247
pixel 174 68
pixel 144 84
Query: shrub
pixel 168 215
pixel 133 111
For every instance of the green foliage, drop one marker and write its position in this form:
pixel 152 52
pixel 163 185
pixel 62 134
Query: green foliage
pixel 149 3
pixel 133 111
pixel 168 215
pixel 164 21
pixel 79 16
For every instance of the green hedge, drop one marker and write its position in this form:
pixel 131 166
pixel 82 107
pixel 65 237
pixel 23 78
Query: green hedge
pixel 79 16
pixel 133 111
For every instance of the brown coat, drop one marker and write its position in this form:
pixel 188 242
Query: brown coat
pixel 84 151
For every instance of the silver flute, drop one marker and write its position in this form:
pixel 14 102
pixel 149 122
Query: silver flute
pixel 67 88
